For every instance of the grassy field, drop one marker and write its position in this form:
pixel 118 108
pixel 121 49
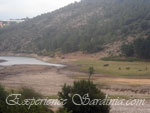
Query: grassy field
pixel 116 58
pixel 117 68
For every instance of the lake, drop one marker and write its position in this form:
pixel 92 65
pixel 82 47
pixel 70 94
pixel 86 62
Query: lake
pixel 11 60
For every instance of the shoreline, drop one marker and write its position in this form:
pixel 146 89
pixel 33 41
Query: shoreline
pixel 55 60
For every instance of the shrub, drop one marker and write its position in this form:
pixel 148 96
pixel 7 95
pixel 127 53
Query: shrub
pixel 3 95
pixel 25 94
pixel 83 87
pixel 91 72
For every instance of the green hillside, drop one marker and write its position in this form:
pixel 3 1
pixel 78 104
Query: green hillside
pixel 85 26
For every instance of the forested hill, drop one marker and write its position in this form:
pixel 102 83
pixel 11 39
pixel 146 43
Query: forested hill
pixel 84 26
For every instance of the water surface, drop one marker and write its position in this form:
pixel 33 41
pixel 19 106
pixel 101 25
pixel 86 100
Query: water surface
pixel 11 60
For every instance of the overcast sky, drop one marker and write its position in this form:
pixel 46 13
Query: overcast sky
pixel 15 9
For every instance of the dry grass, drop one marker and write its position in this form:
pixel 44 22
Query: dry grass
pixel 121 69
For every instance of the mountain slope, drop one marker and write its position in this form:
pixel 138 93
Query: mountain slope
pixel 86 26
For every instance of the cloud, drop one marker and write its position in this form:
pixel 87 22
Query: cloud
pixel 29 8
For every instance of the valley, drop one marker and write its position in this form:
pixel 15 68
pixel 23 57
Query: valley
pixel 93 47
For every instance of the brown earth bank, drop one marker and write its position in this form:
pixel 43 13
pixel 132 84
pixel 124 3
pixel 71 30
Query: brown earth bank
pixel 44 79
pixel 49 80
pixel 60 58
pixel 109 50
pixel 47 77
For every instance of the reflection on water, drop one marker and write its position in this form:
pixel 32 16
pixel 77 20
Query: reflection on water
pixel 10 60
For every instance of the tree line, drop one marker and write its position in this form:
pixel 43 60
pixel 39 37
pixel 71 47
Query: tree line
pixel 140 47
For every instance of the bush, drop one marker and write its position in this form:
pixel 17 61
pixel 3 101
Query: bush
pixel 3 95
pixel 83 87
pixel 25 94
